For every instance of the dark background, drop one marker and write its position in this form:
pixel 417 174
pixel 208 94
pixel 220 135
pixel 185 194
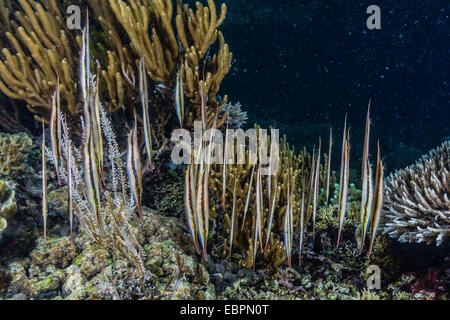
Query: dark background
pixel 301 65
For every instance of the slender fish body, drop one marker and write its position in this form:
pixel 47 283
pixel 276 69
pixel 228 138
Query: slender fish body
pixel 329 167
pixel 189 208
pixel 143 88
pixel 44 185
pixel 378 200
pixel 55 133
pixel 179 97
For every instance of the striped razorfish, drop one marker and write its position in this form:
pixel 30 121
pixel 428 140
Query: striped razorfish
pixel 204 99
pixel 85 70
pixel 272 209
pixel 143 88
pixel 341 175
pixel 233 216
pixel 205 208
pixel 69 180
pixel 189 204
pixel 316 188
pixel 55 131
pixel 134 168
pixel 344 184
pixel 97 133
pixel 224 172
pixel 247 202
pixel 200 209
pixel 44 185
pixel 366 180
pixel 288 225
pixel 91 174
pixel 179 96
pixel 302 222
pixel 378 199
pixel 329 167
pixel 367 207
pixel 258 220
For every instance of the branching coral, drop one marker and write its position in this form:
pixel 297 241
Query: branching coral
pixel 240 222
pixel 236 118
pixel 418 199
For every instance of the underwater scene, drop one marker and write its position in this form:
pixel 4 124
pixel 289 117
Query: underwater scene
pixel 224 150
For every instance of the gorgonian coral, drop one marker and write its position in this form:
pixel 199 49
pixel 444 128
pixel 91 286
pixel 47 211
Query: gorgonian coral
pixel 418 199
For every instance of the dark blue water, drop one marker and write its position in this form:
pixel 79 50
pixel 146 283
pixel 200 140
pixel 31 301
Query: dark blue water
pixel 301 65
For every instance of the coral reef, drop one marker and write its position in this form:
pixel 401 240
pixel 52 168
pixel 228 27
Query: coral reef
pixel 131 30
pixel 236 117
pixel 8 206
pixel 240 222
pixel 14 154
pixel 43 54
pixel 418 199
pixel 85 271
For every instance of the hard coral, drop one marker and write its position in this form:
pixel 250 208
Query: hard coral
pixel 418 199
pixel 8 206
pixel 14 151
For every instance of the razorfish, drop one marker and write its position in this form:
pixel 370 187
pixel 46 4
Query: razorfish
pixel 55 132
pixel 257 231
pixel 97 132
pixel 179 97
pixel 316 188
pixel 378 199
pixel 344 187
pixel 302 218
pixel 189 205
pixel 69 182
pixel 85 69
pixel 200 211
pixel 143 88
pixel 247 202
pixel 365 163
pixel 204 99
pixel 91 178
pixel 272 209
pixel 288 226
pixel 224 172
pixel 341 175
pixel 366 206
pixel 134 168
pixel 44 185
pixel 329 167
pixel 233 215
